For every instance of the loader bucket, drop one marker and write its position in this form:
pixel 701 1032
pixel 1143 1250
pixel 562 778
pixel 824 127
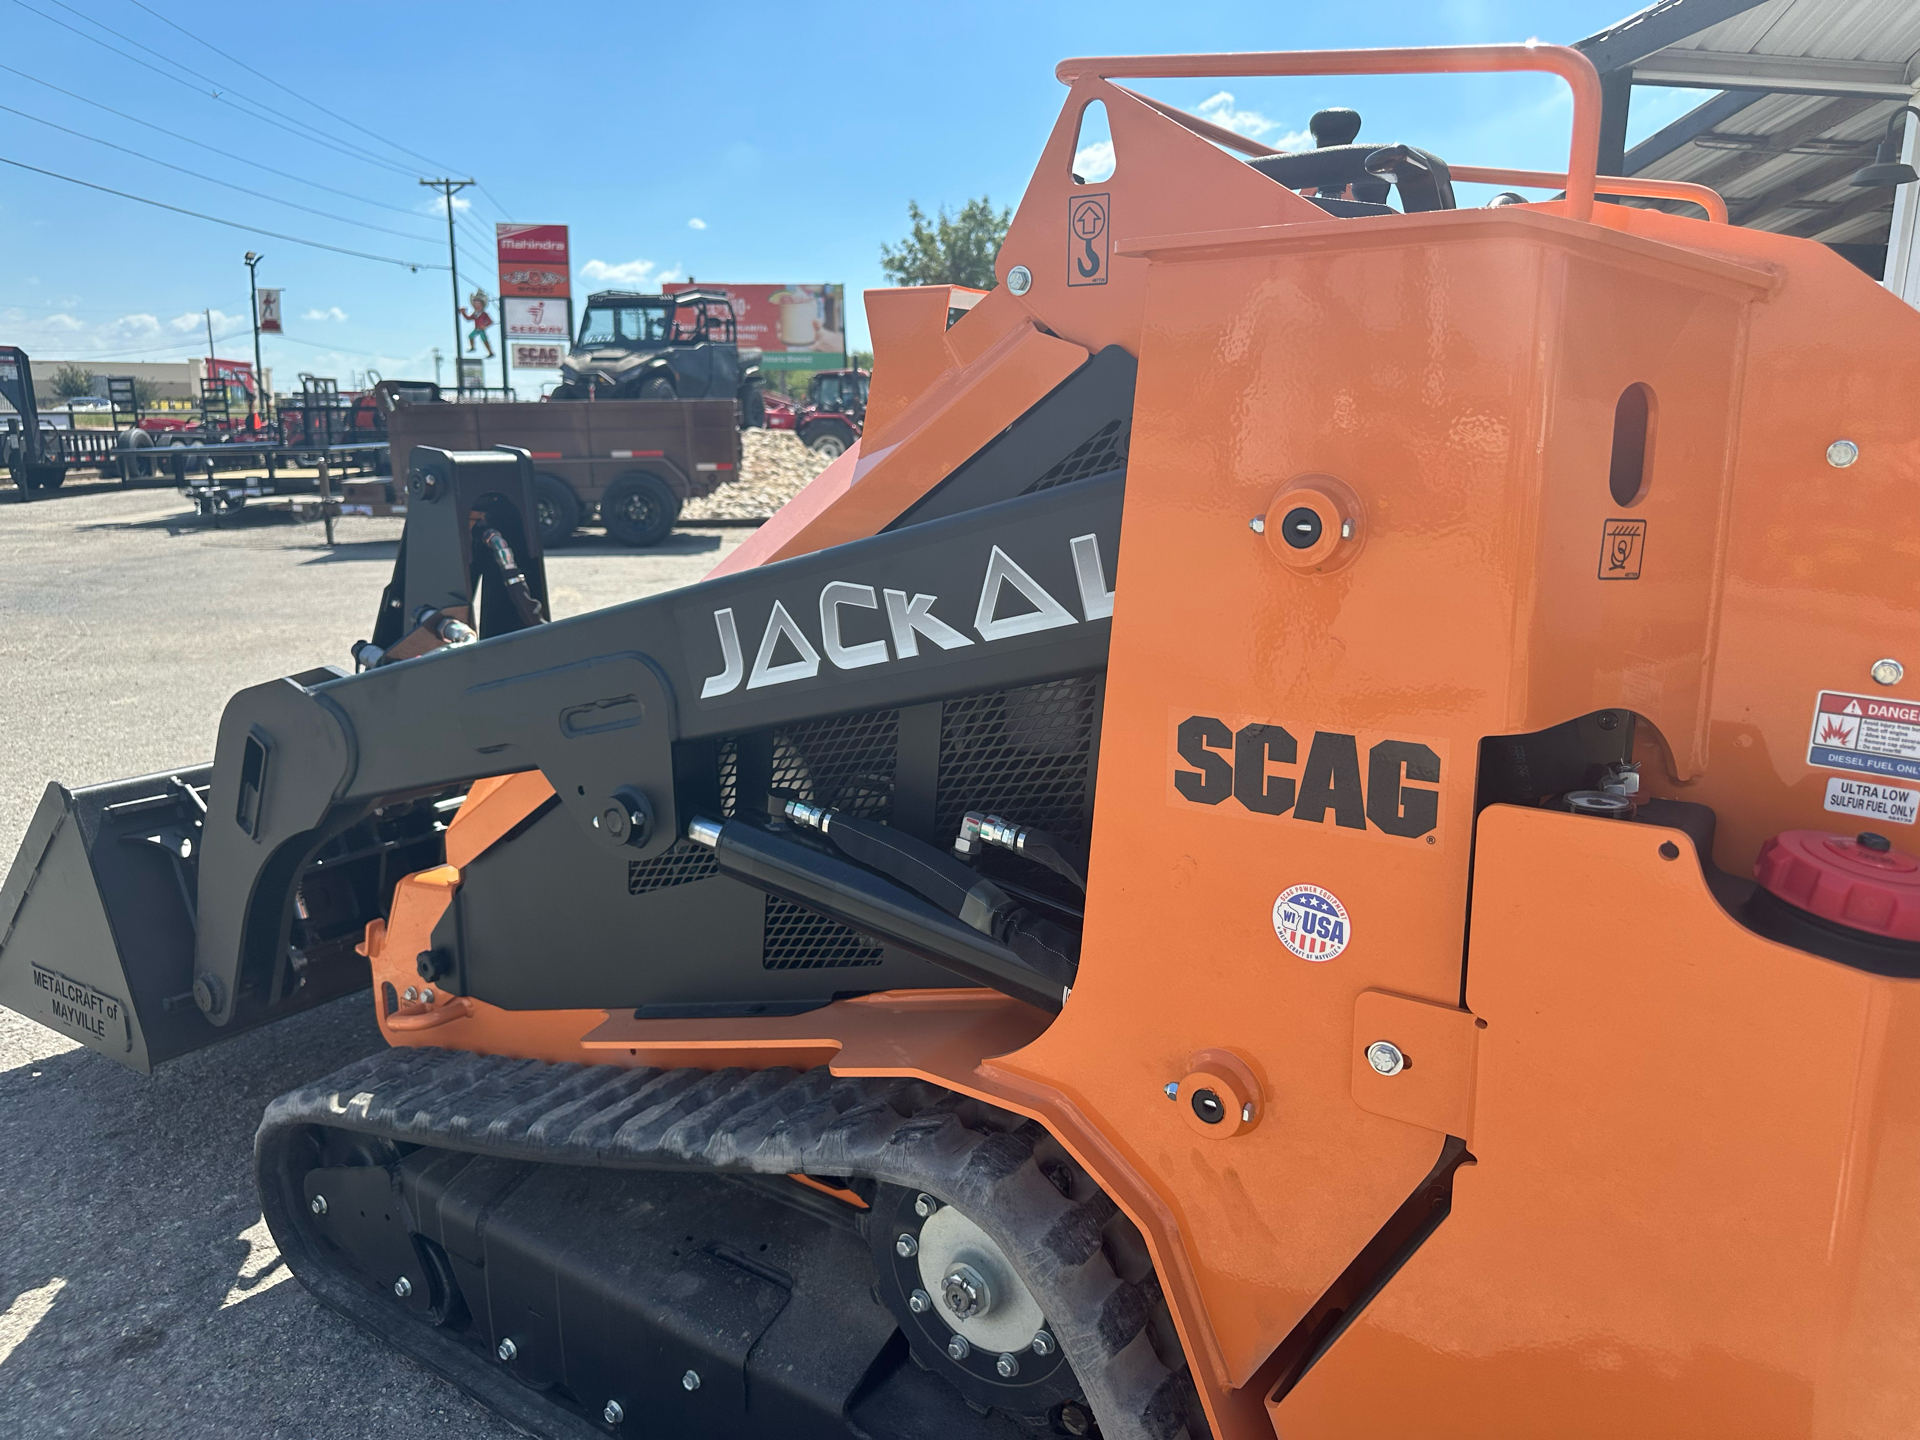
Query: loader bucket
pixel 97 923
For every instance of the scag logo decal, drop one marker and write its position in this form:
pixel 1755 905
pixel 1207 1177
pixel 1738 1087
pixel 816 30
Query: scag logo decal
pixel 1258 768
pixel 1311 922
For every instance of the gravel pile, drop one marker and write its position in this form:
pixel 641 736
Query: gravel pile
pixel 774 467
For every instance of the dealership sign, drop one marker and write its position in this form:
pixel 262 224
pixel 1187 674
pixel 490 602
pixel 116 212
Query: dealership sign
pixel 795 327
pixel 270 312
pixel 537 357
pixel 535 319
pixel 533 260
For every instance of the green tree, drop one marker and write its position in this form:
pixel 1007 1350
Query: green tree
pixel 147 393
pixel 70 380
pixel 956 250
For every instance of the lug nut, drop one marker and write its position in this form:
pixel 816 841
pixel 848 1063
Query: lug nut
pixel 1007 1366
pixel 614 1413
pixel 403 1287
pixel 506 1350
pixel 958 1348
pixel 924 1205
pixel 690 1381
pixel 1042 1343
pixel 318 1205
pixel 920 1302
pixel 906 1247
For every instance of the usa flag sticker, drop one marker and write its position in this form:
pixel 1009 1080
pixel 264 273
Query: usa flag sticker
pixel 1311 922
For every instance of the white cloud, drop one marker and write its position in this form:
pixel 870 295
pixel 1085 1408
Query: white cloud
pixel 332 312
pixel 1220 109
pixel 629 272
pixel 437 205
pixel 1094 163
pixel 197 320
pixel 696 223
pixel 63 322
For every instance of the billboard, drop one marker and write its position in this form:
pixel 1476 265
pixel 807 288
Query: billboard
pixel 235 375
pixel 533 261
pixel 796 327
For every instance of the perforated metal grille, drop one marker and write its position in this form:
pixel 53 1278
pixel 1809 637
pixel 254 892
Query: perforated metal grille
pixel 844 762
pixel 1104 450
pixel 729 778
pixel 682 864
pixel 797 938
pixel 1025 754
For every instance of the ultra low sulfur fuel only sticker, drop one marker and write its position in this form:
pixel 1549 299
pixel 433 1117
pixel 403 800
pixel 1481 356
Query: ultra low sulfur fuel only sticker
pixel 1865 734
pixel 1869 800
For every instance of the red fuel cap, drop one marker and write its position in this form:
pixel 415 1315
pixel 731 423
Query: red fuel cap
pixel 1859 881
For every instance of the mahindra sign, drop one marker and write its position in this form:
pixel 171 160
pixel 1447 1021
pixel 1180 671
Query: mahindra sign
pixel 533 261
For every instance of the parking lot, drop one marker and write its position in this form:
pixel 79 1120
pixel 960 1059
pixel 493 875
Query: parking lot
pixel 139 1294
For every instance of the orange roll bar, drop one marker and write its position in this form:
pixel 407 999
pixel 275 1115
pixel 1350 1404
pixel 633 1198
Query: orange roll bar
pixel 1708 200
pixel 1583 160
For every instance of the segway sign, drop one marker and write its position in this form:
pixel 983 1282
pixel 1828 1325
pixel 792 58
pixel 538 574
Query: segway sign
pixel 1311 922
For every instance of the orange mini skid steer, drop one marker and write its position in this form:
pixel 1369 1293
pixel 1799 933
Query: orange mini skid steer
pixel 1276 852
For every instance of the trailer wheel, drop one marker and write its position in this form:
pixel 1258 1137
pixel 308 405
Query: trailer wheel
pixel 658 387
pixel 639 509
pixel 557 509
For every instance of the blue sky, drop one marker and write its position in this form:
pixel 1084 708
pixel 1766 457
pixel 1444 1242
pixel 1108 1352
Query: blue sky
pixel 747 143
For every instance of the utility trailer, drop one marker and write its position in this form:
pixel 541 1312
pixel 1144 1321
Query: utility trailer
pixel 630 463
pixel 37 455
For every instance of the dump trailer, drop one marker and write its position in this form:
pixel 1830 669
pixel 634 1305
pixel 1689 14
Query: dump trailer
pixel 1322 845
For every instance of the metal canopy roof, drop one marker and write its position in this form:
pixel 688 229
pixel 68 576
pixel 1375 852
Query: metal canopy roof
pixel 1807 89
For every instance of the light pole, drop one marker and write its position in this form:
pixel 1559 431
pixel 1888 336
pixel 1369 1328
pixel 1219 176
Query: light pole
pixel 450 188
pixel 253 302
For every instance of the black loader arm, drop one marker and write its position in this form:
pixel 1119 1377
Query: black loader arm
pixel 623 709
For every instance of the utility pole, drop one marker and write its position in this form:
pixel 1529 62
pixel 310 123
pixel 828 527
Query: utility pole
pixel 448 189
pixel 210 373
pixel 259 375
pixel 436 364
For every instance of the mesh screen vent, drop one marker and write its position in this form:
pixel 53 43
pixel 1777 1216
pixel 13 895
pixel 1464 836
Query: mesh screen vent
pixel 1025 754
pixel 681 864
pixel 1105 450
pixel 797 938
pixel 844 762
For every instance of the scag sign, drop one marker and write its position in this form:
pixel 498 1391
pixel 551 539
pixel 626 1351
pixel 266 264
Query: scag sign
pixel 1258 767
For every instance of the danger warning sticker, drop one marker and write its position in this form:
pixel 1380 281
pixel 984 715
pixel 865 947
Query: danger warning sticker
pixel 1865 734
pixel 1866 800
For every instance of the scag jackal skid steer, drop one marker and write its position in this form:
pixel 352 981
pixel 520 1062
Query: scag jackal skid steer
pixel 1311 837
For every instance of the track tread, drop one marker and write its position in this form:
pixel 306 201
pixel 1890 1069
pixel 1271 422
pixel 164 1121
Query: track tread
pixel 776 1121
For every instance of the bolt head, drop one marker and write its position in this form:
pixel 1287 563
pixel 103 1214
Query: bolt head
pixel 1042 1343
pixel 506 1350
pixel 920 1302
pixel 1246 1113
pixel 924 1205
pixel 412 992
pixel 614 1413
pixel 318 1205
pixel 1258 524
pixel 958 1348
pixel 1385 1058
pixel 403 1287
pixel 1887 672
pixel 426 996
pixel 1842 453
pixel 1019 280
pixel 1075 1420
pixel 906 1247
pixel 1007 1366
pixel 690 1381
pixel 1173 1089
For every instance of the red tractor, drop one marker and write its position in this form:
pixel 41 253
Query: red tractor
pixel 835 409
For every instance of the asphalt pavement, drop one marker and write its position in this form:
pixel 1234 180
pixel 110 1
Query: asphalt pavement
pixel 139 1292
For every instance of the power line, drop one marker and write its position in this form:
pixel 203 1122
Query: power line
pixel 295 93
pixel 221 92
pixel 211 149
pixel 166 346
pixel 212 180
pixel 215 95
pixel 215 219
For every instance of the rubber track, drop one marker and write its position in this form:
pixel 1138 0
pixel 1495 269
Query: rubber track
pixel 769 1122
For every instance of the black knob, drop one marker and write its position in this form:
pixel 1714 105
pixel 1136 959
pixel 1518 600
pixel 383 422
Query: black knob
pixel 1334 127
pixel 1867 840
pixel 1208 1107
pixel 1301 528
